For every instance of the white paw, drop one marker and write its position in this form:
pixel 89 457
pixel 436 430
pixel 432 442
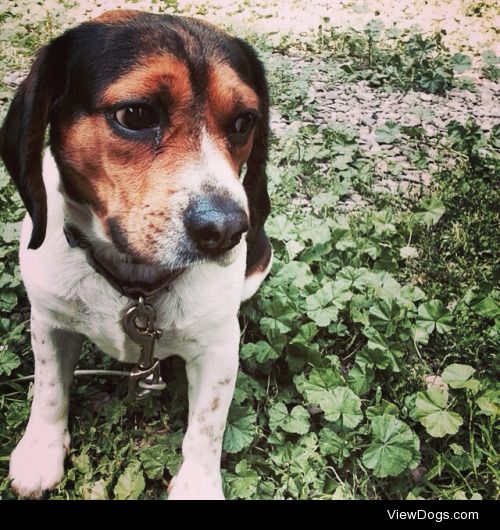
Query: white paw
pixel 194 482
pixel 37 463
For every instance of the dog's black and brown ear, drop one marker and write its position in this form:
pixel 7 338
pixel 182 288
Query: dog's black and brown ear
pixel 255 180
pixel 22 134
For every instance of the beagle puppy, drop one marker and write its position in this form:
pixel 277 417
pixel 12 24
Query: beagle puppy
pixel 152 194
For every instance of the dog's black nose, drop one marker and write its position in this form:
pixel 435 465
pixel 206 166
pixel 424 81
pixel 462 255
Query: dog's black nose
pixel 215 223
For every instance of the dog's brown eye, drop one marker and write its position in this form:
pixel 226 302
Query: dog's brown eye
pixel 241 128
pixel 137 117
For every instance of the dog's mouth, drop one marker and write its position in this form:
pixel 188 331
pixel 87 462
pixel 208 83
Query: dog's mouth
pixel 133 277
pixel 125 271
pixel 137 278
pixel 136 274
pixel 149 270
pixel 181 258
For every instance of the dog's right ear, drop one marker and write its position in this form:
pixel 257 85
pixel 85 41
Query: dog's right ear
pixel 23 132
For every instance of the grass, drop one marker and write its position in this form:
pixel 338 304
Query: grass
pixel 369 357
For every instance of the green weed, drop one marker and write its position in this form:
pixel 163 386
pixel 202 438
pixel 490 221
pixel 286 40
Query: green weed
pixel 392 59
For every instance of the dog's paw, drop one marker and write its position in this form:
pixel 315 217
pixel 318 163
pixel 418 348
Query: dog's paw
pixel 193 482
pixel 37 463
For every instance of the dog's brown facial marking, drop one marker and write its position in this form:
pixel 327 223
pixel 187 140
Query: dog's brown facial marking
pixel 226 92
pixel 128 184
pixel 117 15
pixel 227 98
pixel 164 76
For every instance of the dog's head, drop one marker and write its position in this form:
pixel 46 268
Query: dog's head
pixel 159 127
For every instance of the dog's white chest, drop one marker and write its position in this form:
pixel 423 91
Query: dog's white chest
pixel 67 291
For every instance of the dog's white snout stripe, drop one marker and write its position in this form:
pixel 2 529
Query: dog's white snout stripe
pixel 219 173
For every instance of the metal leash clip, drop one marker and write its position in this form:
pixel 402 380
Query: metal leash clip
pixel 138 323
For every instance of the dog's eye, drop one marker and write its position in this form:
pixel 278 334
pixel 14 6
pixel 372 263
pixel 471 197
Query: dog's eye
pixel 241 128
pixel 137 117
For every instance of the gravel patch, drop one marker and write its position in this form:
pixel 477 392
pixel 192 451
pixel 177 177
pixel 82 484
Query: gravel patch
pixel 365 109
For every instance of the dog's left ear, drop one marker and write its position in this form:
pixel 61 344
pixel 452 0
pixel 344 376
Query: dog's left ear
pixel 255 180
pixel 23 132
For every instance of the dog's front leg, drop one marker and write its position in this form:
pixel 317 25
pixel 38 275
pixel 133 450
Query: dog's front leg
pixel 211 379
pixel 37 463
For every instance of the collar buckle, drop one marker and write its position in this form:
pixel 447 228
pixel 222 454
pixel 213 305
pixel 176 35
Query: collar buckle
pixel 138 324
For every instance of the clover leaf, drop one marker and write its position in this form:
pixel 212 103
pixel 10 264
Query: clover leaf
pixel 459 376
pixel 317 384
pixel 388 133
pixel 130 483
pixel 243 484
pixel 296 421
pixel 431 411
pixel 240 429
pixel 433 316
pixel 394 448
pixel 342 405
